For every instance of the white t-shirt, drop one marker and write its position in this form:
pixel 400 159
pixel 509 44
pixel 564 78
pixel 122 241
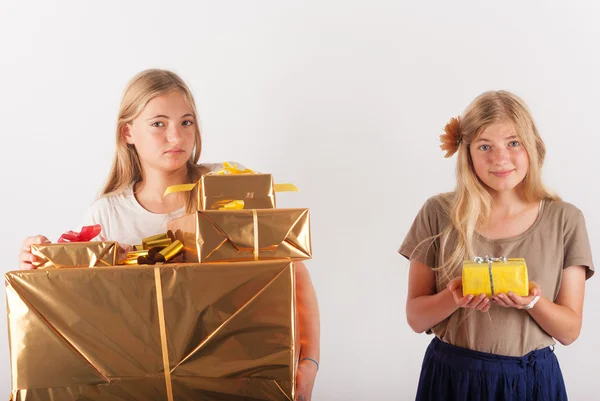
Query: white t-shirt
pixel 124 220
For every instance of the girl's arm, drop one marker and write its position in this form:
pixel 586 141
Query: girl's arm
pixel 561 319
pixel 309 326
pixel 425 308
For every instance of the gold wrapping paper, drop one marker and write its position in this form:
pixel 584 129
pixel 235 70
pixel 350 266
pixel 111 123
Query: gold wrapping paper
pixel 228 332
pixel 75 254
pixel 225 236
pixel 217 190
pixel 509 275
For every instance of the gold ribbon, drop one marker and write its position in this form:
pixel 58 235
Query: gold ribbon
pixel 179 188
pixel 255 223
pixel 231 205
pixel 157 248
pixel 228 168
pixel 163 333
pixel 285 188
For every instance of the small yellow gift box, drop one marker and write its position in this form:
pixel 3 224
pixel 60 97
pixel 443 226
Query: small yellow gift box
pixel 491 276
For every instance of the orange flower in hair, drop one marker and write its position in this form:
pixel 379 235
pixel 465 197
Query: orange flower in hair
pixel 451 138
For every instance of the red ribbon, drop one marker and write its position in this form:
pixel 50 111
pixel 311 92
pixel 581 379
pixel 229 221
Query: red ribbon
pixel 86 234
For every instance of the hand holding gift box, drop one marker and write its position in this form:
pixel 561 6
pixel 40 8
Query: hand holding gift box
pixel 491 276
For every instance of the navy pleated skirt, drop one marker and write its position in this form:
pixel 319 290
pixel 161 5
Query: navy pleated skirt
pixel 451 373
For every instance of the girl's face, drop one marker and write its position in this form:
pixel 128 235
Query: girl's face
pixel 164 133
pixel 499 159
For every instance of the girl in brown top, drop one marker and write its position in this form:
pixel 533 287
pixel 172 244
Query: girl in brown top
pixel 497 348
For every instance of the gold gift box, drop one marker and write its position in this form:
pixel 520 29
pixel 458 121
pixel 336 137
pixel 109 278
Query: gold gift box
pixel 237 235
pixel 176 332
pixel 255 190
pixel 75 254
pixel 478 277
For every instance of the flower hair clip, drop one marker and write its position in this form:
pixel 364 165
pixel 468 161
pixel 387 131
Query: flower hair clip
pixel 451 138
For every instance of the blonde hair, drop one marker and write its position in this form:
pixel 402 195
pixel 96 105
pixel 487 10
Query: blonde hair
pixel 469 206
pixel 126 168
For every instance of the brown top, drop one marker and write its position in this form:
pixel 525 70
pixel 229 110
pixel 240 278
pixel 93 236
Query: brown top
pixel 556 240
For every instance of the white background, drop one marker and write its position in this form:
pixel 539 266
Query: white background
pixel 346 99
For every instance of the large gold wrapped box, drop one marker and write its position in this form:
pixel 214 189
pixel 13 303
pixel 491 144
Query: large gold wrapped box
pixel 165 332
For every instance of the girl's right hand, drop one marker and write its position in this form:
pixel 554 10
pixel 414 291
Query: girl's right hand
pixel 479 302
pixel 26 258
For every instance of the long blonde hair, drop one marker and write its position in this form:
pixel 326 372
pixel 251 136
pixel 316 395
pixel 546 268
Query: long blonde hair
pixel 469 206
pixel 126 168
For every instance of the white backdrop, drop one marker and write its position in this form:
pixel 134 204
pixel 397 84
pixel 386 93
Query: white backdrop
pixel 344 98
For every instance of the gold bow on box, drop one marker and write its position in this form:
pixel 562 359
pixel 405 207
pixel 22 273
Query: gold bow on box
pixel 236 235
pixel 252 190
pixel 176 332
pixel 160 248
pixel 490 276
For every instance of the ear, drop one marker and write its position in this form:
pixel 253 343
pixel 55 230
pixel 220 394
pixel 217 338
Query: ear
pixel 126 134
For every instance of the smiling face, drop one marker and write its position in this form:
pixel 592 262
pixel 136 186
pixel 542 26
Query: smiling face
pixel 163 133
pixel 499 159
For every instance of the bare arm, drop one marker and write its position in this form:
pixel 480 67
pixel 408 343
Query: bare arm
pixel 561 319
pixel 309 326
pixel 308 313
pixel 425 308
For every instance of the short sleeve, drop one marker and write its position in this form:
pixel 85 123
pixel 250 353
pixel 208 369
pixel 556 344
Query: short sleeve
pixel 421 243
pixel 578 251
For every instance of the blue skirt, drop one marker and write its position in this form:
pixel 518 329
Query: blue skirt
pixel 458 374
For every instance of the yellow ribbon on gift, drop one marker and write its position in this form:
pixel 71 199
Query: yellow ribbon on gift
pixel 232 205
pixel 179 188
pixel 228 168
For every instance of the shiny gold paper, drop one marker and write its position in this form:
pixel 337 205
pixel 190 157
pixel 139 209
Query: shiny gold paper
pixel 236 235
pixel 506 276
pixel 155 240
pixel 169 252
pixel 225 331
pixel 158 248
pixel 75 254
pixel 256 190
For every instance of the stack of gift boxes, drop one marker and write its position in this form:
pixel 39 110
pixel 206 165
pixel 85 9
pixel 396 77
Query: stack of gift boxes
pixel 206 311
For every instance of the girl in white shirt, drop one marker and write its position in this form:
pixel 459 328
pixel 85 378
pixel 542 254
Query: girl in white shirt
pixel 159 145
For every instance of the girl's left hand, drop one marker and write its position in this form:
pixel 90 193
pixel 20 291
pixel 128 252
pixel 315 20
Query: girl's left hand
pixel 512 300
pixel 305 380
